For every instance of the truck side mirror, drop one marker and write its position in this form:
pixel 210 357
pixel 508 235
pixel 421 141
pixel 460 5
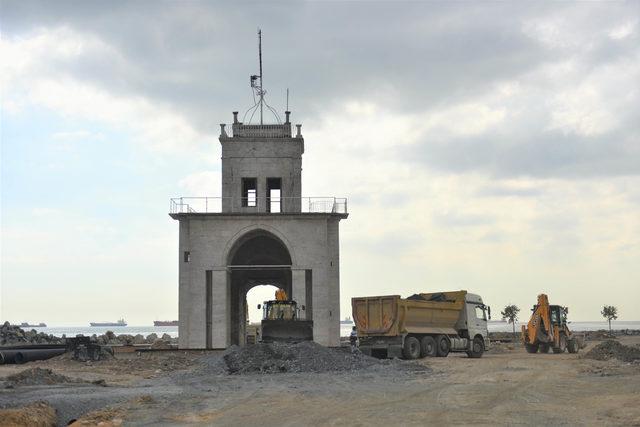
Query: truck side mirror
pixel 259 306
pixel 489 310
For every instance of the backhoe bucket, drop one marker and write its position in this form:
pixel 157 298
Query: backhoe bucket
pixel 287 330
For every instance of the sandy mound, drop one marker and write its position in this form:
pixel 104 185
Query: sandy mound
pixel 613 350
pixel 107 417
pixel 38 376
pixel 37 414
pixel 301 357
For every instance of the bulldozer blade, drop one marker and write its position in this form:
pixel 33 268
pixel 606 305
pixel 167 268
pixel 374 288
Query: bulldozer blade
pixel 287 330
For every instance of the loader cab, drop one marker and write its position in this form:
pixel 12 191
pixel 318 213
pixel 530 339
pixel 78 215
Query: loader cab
pixel 279 310
pixel 558 314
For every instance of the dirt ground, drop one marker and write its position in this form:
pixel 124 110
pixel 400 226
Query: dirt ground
pixel 505 387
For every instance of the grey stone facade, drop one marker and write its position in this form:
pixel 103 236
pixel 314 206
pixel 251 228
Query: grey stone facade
pixel 261 231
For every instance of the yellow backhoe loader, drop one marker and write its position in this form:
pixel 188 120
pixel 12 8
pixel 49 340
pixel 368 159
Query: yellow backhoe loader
pixel 547 329
pixel 281 320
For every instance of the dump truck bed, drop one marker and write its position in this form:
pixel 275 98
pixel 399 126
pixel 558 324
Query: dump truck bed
pixel 425 313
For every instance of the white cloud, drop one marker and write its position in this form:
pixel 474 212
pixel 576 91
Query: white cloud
pixel 29 78
pixel 75 135
pixel 623 31
pixel 205 183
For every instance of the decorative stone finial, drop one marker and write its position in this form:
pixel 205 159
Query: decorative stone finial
pixel 286 114
pixel 299 134
pixel 223 132
pixel 235 117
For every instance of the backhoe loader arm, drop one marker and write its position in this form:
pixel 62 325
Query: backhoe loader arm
pixel 540 323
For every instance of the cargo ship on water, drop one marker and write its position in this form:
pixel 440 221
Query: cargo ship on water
pixel 29 325
pixel 120 322
pixel 165 323
pixel 346 321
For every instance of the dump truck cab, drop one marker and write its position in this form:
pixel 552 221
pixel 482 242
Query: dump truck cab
pixel 476 318
pixel 425 324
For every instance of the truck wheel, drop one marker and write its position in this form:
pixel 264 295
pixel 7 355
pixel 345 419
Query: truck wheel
pixel 428 347
pixel 411 348
pixel 477 348
pixel 442 344
pixel 531 348
pixel 572 346
pixel 563 345
pixel 544 348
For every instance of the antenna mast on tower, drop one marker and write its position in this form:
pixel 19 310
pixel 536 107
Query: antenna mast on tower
pixel 261 81
pixel 258 87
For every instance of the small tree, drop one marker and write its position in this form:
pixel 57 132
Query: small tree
pixel 510 313
pixel 610 313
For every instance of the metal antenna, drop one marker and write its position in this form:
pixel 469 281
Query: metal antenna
pixel 257 87
pixel 287 99
pixel 261 81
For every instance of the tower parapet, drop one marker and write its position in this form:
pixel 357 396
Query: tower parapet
pixel 241 130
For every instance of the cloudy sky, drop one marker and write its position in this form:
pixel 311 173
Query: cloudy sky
pixel 493 147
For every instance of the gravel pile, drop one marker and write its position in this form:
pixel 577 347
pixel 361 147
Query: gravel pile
pixel 306 356
pixel 613 350
pixel 38 376
pixel 14 335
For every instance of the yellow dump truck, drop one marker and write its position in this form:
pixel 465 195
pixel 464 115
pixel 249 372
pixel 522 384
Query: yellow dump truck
pixel 430 324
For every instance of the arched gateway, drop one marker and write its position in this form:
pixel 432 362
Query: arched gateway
pixel 261 231
pixel 258 258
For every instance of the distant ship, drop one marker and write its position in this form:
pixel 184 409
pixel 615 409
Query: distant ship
pixel 346 321
pixel 27 325
pixel 165 323
pixel 120 322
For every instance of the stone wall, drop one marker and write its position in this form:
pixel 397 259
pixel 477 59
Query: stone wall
pixel 312 241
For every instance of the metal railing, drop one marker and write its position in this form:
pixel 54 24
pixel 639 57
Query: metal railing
pixel 266 131
pixel 274 205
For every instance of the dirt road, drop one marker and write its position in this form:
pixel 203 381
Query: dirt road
pixel 510 388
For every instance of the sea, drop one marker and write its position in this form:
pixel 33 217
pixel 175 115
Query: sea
pixel 345 329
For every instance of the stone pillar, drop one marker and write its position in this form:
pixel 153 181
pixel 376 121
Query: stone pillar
pixel 220 309
pixel 298 288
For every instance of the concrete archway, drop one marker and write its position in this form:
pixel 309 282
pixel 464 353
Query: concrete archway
pixel 256 258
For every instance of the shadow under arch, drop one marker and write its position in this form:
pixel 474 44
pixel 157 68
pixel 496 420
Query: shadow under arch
pixel 256 258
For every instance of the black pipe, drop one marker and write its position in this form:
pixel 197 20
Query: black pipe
pixel 26 346
pixel 23 356
pixel 8 356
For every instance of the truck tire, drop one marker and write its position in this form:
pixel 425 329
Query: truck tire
pixel 572 346
pixel 563 345
pixel 442 345
pixel 544 348
pixel 477 348
pixel 411 348
pixel 428 347
pixel 531 348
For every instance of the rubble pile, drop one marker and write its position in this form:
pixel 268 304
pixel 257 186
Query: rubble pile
pixel 15 335
pixel 301 357
pixel 109 338
pixel 611 349
pixel 37 376
pixel 33 414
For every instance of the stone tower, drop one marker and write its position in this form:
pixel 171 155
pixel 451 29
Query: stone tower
pixel 260 231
